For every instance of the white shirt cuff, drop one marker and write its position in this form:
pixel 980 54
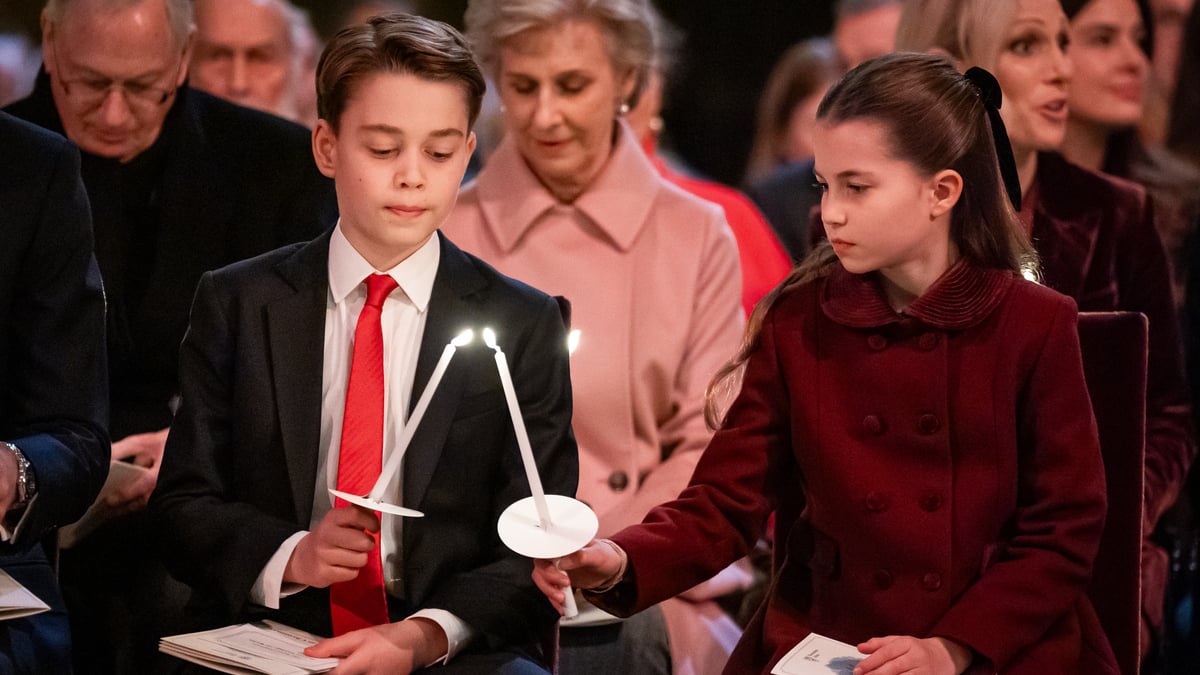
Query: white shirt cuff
pixel 269 588
pixel 458 633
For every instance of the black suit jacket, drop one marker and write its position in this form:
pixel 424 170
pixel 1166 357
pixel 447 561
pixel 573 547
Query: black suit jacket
pixel 239 472
pixel 53 381
pixel 787 197
pixel 235 183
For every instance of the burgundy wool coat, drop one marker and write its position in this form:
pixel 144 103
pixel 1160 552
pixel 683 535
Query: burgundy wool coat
pixel 933 473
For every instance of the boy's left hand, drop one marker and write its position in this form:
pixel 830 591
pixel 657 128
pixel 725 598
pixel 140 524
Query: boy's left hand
pixel 398 648
pixel 897 654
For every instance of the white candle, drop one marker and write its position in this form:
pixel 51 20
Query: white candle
pixel 393 464
pixel 514 410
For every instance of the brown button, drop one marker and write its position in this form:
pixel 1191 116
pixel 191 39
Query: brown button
pixel 872 424
pixel 875 502
pixel 877 342
pixel 618 481
pixel 883 579
pixel 931 582
pixel 927 342
pixel 929 424
pixel 931 501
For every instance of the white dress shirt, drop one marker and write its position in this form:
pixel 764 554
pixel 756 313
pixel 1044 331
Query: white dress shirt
pixel 403 323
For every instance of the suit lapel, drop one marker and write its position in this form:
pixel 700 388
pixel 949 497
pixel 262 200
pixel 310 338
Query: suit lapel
pixel 296 334
pixel 449 314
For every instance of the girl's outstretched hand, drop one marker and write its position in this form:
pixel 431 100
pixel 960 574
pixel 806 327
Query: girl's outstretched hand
pixel 590 567
pixel 896 654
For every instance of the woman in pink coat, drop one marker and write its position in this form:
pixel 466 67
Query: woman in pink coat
pixel 914 412
pixel 570 204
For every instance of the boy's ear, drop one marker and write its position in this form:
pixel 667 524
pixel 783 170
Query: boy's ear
pixel 324 146
pixel 947 188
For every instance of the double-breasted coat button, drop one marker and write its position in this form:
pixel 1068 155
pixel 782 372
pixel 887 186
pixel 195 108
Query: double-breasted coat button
pixel 931 501
pixel 618 481
pixel 931 581
pixel 873 424
pixel 927 342
pixel 929 424
pixel 877 342
pixel 875 502
pixel 883 579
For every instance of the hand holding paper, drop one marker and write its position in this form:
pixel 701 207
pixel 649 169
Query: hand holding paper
pixel 397 648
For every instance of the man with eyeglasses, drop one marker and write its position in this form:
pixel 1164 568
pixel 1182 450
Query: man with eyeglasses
pixel 180 182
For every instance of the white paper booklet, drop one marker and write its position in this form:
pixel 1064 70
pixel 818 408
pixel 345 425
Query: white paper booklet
pixel 819 655
pixel 16 601
pixel 264 647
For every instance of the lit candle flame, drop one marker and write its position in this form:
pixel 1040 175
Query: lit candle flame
pixel 464 338
pixel 489 338
pixel 573 341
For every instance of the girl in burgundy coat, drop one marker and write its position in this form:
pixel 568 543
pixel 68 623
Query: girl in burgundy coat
pixel 913 411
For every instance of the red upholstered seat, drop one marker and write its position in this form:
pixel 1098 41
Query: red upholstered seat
pixel 1114 346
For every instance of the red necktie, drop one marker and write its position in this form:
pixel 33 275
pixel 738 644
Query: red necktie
pixel 362 601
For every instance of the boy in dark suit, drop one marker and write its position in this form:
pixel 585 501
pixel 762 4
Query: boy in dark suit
pixel 301 367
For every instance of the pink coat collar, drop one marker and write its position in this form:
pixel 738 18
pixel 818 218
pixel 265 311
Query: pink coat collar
pixel 618 202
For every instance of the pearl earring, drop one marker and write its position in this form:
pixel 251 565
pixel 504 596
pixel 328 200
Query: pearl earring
pixel 623 109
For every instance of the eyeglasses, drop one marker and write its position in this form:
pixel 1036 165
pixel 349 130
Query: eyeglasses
pixel 91 92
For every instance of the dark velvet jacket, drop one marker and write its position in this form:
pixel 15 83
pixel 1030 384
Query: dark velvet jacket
pixel 1098 244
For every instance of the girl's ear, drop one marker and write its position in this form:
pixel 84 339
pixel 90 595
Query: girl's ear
pixel 947 188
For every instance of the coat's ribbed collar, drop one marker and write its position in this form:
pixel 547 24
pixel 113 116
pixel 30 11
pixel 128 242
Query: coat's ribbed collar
pixel 963 296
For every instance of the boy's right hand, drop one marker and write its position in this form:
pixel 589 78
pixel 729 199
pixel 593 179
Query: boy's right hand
pixel 589 567
pixel 335 549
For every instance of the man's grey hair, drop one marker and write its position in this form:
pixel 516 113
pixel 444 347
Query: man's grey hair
pixel 179 13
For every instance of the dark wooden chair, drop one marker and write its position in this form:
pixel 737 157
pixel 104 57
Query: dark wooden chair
pixel 1114 346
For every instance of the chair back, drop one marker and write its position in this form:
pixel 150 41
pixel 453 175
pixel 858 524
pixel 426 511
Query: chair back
pixel 1114 346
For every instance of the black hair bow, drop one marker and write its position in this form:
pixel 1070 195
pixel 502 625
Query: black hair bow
pixel 989 92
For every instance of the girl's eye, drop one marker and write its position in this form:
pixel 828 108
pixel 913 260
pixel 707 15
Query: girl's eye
pixel 380 152
pixel 441 156
pixel 857 188
pixel 821 187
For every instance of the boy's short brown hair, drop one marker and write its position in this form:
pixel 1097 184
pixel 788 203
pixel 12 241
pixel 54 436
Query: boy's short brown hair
pixel 396 43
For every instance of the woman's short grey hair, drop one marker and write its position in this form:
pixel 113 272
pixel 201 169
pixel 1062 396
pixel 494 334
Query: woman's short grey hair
pixel 179 14
pixel 628 25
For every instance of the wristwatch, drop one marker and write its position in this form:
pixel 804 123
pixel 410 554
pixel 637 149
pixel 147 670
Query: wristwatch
pixel 26 485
